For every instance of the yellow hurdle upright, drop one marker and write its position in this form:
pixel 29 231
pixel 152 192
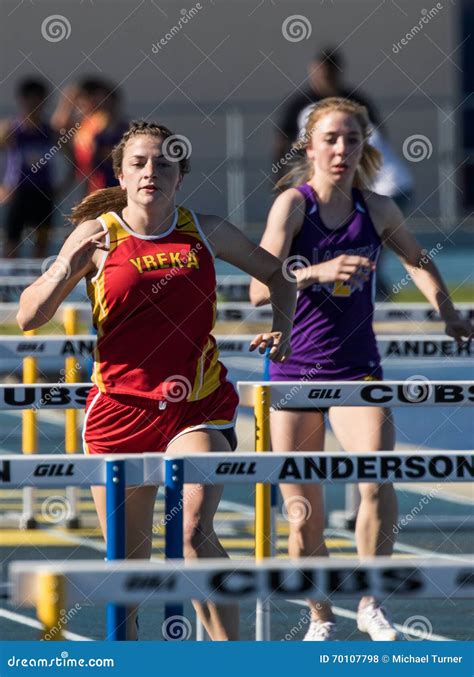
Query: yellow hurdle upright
pixel 263 530
pixel 70 421
pixel 29 438
pixel 70 327
pixel 50 605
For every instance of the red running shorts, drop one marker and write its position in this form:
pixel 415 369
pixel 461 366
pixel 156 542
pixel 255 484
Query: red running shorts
pixel 121 424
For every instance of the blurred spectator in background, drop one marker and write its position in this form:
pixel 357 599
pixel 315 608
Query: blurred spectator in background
pixel 105 140
pixel 394 178
pixel 27 186
pixel 325 79
pixel 95 104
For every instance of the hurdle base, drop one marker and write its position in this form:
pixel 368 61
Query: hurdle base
pixel 342 519
pixel 28 523
pixel 73 523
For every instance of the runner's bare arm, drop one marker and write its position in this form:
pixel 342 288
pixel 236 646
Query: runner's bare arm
pixel 418 262
pixel 231 245
pixel 284 221
pixel 77 258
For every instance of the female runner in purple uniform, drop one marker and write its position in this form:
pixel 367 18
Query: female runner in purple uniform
pixel 332 227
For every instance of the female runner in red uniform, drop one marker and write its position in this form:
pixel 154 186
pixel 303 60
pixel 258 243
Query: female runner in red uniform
pixel 159 384
pixel 332 227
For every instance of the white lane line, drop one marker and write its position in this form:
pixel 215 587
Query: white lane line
pixel 32 623
pixel 404 629
pixel 412 550
pixel 77 540
pixel 442 496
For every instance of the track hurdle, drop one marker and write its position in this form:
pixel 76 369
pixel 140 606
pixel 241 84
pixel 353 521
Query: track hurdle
pixel 414 393
pixel 70 417
pixel 78 346
pixel 115 472
pixel 224 581
pixel 29 438
pixel 305 395
pixel 217 468
pixel 384 312
pixel 245 312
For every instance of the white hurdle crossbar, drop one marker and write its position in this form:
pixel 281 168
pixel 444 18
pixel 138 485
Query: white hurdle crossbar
pixel 227 581
pixel 414 391
pixel 284 394
pixel 53 470
pixel 391 347
pixel 233 579
pixel 245 312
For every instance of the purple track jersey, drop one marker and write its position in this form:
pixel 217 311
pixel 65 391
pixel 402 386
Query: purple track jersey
pixel 333 337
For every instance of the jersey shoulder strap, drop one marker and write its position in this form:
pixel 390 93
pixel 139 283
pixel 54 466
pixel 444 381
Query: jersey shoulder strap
pixel 117 233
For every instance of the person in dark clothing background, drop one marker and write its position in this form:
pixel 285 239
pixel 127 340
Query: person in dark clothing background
pixel 325 79
pixel 26 188
pixel 325 73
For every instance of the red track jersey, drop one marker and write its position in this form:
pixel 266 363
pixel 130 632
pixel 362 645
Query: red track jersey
pixel 154 307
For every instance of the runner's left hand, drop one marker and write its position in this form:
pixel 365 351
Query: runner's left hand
pixel 461 330
pixel 279 346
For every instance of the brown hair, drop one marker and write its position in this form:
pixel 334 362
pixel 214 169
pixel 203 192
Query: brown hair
pixel 371 159
pixel 115 199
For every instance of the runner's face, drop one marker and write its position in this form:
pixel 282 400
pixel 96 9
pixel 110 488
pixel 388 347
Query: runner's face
pixel 147 175
pixel 336 146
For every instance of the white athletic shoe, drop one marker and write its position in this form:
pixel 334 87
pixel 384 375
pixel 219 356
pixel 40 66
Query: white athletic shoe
pixel 374 620
pixel 320 631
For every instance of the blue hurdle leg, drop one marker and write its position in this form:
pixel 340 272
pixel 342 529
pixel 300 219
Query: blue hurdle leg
pixel 174 471
pixel 115 502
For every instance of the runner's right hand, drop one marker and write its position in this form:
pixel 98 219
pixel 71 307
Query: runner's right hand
pixel 342 268
pixel 76 255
